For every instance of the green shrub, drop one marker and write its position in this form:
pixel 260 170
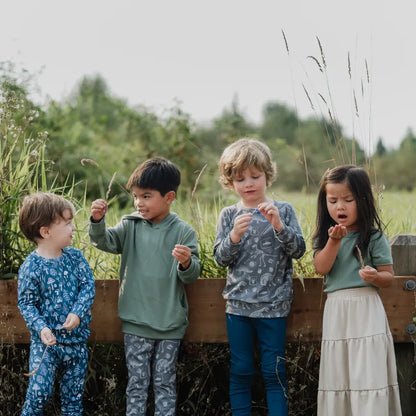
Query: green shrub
pixel 22 169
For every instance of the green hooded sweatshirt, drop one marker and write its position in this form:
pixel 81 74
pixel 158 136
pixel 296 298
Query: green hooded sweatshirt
pixel 152 299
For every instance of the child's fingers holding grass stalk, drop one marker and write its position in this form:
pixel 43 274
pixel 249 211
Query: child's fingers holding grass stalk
pixel 182 254
pixel 99 208
pixel 240 226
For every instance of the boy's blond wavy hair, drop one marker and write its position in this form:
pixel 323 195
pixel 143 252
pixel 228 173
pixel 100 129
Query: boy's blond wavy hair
pixel 243 154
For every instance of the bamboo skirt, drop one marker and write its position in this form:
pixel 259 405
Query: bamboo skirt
pixel 357 374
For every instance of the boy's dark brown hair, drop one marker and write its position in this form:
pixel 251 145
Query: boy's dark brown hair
pixel 157 173
pixel 41 209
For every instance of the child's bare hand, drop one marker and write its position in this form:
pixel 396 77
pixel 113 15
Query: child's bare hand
pixel 71 322
pixel 47 337
pixel 270 211
pixel 99 208
pixel 240 226
pixel 337 232
pixel 368 274
pixel 182 254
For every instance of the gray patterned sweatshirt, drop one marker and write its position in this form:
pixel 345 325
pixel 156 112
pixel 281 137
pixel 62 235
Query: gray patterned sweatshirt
pixel 259 277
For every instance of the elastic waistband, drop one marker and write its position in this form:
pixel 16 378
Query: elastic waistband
pixel 354 291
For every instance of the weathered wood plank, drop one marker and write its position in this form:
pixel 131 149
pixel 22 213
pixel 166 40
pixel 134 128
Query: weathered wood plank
pixel 400 307
pixel 403 250
pixel 12 326
pixel 206 311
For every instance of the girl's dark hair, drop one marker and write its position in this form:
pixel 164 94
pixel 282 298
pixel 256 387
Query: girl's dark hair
pixel 157 173
pixel 368 220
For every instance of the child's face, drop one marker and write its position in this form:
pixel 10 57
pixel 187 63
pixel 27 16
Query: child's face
pixel 341 205
pixel 61 232
pixel 151 204
pixel 250 184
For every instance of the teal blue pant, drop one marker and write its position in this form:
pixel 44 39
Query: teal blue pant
pixel 270 334
pixel 68 364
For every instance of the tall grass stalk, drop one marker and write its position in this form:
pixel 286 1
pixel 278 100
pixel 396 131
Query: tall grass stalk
pixel 22 169
pixel 319 94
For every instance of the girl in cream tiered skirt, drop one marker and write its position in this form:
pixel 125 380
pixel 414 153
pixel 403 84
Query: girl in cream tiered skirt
pixel 357 375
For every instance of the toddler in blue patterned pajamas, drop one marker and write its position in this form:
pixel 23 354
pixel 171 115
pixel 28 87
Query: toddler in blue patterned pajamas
pixel 56 290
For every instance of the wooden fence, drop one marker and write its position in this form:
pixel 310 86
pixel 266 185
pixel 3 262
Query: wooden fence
pixel 206 311
pixel 206 306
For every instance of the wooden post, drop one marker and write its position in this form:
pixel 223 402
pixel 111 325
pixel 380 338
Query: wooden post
pixel 403 249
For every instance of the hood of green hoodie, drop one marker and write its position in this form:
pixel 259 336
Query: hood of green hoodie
pixel 136 216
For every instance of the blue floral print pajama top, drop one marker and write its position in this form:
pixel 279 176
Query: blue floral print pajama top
pixel 50 289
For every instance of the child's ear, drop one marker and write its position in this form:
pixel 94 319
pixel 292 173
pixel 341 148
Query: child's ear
pixel 170 196
pixel 44 232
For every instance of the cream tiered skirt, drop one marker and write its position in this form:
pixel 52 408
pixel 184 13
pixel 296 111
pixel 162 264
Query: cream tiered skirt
pixel 357 375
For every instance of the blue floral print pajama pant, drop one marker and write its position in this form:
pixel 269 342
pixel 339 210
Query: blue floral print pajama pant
pixel 69 363
pixel 144 355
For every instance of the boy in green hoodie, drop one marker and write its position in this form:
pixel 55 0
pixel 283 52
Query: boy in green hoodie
pixel 159 254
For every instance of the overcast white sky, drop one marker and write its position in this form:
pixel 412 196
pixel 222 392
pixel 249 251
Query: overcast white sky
pixel 203 53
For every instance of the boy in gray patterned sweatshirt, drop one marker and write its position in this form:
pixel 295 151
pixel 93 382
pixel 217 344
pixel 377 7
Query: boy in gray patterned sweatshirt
pixel 256 239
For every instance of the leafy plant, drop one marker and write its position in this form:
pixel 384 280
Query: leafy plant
pixel 22 169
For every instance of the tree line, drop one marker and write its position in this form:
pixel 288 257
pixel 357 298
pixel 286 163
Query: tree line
pixel 96 138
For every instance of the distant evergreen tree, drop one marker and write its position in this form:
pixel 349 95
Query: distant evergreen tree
pixel 380 148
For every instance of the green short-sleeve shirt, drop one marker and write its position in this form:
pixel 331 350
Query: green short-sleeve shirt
pixel 344 273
